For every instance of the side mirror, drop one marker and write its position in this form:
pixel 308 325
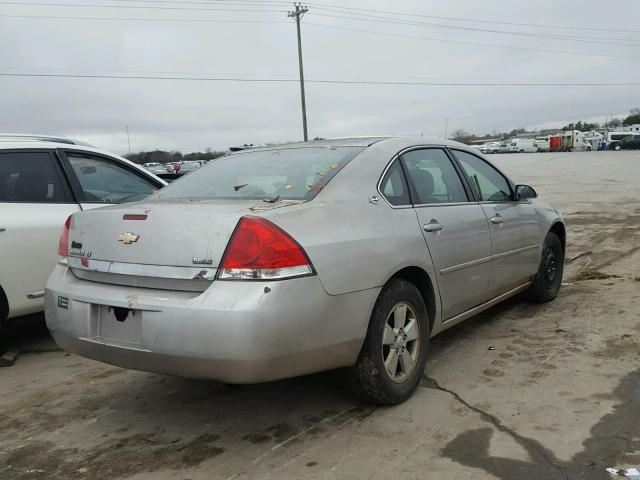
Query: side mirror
pixel 525 191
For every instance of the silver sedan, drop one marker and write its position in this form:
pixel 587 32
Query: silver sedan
pixel 282 261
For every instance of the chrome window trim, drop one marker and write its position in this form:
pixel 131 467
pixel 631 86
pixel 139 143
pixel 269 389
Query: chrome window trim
pixel 397 157
pixel 511 185
pixel 448 204
pixel 379 190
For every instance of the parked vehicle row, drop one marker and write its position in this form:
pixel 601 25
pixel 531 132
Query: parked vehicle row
pixel 282 261
pixel 625 142
pixel 565 141
pixel 173 168
pixel 43 180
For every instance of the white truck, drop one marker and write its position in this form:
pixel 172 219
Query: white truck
pixel 523 145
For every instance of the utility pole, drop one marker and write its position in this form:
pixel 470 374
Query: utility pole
pixel 128 139
pixel 297 14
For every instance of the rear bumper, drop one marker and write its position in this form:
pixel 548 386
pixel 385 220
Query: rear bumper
pixel 235 332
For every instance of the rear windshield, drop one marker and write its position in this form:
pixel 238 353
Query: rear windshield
pixel 289 174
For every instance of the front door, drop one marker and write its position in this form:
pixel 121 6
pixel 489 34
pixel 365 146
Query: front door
pixel 454 228
pixel 515 228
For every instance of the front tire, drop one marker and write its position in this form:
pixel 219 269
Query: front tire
pixel 547 282
pixel 617 148
pixel 394 353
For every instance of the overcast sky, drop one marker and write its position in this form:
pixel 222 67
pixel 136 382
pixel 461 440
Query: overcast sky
pixel 190 115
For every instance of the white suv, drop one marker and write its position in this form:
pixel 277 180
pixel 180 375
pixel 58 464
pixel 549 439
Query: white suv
pixel 43 180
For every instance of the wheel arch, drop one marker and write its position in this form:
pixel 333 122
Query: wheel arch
pixel 425 286
pixel 559 229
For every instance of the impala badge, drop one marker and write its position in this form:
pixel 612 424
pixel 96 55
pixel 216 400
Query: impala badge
pixel 202 261
pixel 128 238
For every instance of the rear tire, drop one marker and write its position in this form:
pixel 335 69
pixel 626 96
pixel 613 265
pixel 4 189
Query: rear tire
pixel 393 356
pixel 547 282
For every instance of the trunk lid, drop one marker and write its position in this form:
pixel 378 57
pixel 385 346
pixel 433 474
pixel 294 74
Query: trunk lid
pixel 174 245
pixel 173 233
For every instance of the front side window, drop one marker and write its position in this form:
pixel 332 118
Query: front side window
pixel 104 181
pixel 31 177
pixel 433 176
pixel 489 184
pixel 394 185
pixel 287 174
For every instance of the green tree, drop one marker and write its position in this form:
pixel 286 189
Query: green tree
pixel 633 117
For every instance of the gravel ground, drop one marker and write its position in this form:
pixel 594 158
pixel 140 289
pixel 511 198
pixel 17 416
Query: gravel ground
pixel 520 392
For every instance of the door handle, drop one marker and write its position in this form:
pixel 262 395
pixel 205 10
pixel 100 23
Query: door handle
pixel 497 220
pixel 432 227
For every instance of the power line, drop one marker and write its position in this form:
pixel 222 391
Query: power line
pixel 134 19
pixel 145 7
pixel 462 42
pixel 327 81
pixel 369 17
pixel 572 38
pixel 212 2
pixel 372 32
pixel 474 20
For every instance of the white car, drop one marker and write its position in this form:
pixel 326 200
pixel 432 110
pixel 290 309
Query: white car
pixel 489 147
pixel 42 181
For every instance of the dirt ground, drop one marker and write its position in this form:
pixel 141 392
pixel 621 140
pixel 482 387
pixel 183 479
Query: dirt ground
pixel 519 392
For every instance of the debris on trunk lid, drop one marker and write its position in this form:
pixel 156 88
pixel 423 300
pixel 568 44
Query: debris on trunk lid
pixel 273 199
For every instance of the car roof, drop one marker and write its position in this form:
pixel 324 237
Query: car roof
pixel 20 137
pixel 366 141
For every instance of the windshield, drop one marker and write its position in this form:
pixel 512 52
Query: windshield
pixel 288 173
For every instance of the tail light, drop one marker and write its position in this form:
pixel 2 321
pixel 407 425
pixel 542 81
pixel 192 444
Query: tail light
pixel 63 246
pixel 260 250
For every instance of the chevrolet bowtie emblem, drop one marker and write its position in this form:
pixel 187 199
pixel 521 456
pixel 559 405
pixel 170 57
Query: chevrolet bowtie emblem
pixel 128 238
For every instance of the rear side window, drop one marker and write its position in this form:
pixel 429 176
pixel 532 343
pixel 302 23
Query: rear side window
pixel 104 181
pixel 32 177
pixel 434 177
pixel 394 186
pixel 288 174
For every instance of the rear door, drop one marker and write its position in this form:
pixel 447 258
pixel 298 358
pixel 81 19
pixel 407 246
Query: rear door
pixel 100 180
pixel 35 200
pixel 454 228
pixel 515 229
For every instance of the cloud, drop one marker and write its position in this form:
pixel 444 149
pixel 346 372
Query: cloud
pixel 195 115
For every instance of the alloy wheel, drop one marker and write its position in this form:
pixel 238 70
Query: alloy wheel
pixel 401 342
